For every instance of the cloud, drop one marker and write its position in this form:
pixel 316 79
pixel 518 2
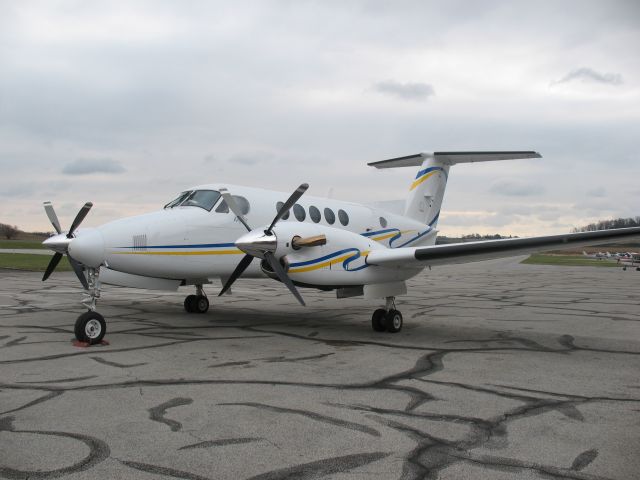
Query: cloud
pixel 597 192
pixel 405 91
pixel 589 75
pixel 87 166
pixel 514 188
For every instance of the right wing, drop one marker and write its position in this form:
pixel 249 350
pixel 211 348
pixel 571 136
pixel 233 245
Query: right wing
pixel 490 249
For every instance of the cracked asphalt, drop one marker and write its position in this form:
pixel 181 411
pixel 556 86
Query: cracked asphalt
pixel 501 371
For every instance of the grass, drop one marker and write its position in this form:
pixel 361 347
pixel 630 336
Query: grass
pixel 21 244
pixel 568 261
pixel 34 263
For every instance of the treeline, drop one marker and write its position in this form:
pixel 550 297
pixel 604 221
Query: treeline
pixel 609 224
pixel 9 231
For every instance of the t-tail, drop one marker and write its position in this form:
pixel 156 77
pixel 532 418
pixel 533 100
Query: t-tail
pixel 426 191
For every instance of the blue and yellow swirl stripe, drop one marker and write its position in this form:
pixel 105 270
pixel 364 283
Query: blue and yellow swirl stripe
pixel 202 249
pixel 423 175
pixel 345 256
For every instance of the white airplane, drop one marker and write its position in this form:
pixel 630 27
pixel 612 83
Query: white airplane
pixel 215 231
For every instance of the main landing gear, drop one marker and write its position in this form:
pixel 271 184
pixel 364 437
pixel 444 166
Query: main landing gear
pixel 90 327
pixel 198 303
pixel 387 319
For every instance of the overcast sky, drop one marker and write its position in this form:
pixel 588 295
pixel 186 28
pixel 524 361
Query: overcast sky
pixel 127 103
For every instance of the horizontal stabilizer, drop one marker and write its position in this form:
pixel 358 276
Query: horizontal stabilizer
pixel 491 249
pixel 452 158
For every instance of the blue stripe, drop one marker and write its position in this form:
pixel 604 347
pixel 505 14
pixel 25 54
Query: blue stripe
pixel 415 238
pixel 321 259
pixel 371 234
pixel 200 245
pixel 435 219
pixel 430 169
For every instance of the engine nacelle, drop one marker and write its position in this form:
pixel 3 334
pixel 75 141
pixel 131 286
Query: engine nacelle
pixel 340 262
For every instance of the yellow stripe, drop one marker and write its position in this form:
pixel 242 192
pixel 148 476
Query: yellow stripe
pixel 384 237
pixel 422 179
pixel 208 252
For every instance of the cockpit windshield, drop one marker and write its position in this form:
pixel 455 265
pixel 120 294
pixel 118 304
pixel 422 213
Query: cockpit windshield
pixel 197 198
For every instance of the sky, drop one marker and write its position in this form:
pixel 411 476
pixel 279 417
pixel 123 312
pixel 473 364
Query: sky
pixel 125 104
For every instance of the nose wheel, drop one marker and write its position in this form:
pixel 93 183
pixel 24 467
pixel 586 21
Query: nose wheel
pixel 389 319
pixel 90 328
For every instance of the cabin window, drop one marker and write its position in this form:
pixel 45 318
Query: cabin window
pixel 177 201
pixel 278 207
pixel 314 213
pixel 243 205
pixel 299 213
pixel 383 222
pixel 201 198
pixel 329 216
pixel 343 217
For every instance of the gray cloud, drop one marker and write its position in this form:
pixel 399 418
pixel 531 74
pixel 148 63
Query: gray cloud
pixel 405 91
pixel 87 166
pixel 597 192
pixel 586 74
pixel 515 188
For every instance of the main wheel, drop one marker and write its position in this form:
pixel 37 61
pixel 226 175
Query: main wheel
pixel 377 320
pixel 201 304
pixel 393 321
pixel 190 303
pixel 90 328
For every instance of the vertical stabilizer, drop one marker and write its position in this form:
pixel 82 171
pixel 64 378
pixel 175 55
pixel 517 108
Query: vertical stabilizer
pixel 426 191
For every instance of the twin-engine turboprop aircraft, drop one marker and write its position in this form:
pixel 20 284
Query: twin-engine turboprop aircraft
pixel 217 230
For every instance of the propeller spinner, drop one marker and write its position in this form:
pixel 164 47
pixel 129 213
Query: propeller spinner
pixel 60 243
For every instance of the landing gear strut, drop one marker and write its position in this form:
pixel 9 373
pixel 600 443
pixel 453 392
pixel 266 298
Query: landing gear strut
pixel 90 327
pixel 387 318
pixel 198 303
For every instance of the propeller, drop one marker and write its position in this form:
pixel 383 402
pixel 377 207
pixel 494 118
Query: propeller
pixel 262 244
pixel 60 242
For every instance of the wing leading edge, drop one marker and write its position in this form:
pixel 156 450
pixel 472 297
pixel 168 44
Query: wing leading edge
pixel 491 249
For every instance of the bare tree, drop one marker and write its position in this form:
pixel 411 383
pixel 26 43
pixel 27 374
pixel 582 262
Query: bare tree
pixel 8 231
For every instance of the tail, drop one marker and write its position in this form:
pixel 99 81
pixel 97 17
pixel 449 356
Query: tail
pixel 427 189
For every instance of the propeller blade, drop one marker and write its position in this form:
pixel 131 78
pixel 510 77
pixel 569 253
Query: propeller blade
pixel 79 218
pixel 77 268
pixel 53 218
pixel 242 266
pixel 233 206
pixel 52 265
pixel 316 241
pixel 288 204
pixel 282 275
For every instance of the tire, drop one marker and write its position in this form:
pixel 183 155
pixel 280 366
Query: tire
pixel 201 304
pixel 393 321
pixel 90 328
pixel 189 303
pixel 377 320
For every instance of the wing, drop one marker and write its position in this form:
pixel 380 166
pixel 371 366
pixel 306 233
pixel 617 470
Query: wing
pixel 477 251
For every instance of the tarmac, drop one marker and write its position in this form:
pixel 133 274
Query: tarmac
pixel 502 371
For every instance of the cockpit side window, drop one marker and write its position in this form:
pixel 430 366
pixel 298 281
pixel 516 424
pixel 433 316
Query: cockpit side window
pixel 177 201
pixel 202 198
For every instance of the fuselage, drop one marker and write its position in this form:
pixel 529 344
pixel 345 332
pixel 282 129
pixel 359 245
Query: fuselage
pixel 187 241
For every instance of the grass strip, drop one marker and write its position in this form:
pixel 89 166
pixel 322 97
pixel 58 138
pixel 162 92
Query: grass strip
pixel 34 263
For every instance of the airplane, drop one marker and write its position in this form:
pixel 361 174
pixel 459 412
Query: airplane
pixel 598 255
pixel 215 231
pixel 629 260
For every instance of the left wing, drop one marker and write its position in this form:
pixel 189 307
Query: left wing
pixel 490 249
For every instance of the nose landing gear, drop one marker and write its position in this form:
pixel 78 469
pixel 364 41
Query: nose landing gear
pixel 90 327
pixel 388 318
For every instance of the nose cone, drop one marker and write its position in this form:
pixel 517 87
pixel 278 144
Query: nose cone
pixel 58 243
pixel 88 248
pixel 256 242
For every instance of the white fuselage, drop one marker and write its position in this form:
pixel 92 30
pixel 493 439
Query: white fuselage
pixel 190 242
